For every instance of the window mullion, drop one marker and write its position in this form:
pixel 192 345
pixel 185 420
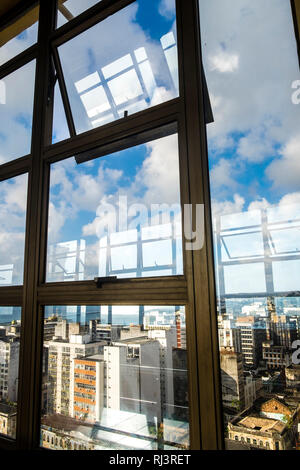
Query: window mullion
pixel 138 123
pixel 30 352
pixel 11 295
pixel 88 19
pixel 19 61
pixel 200 272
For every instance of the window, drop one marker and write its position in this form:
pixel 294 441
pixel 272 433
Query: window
pixel 109 105
pixel 148 405
pixel 253 144
pixel 19 36
pixel 16 105
pixel 13 194
pixel 130 73
pixel 104 297
pixel 109 205
pixel 69 9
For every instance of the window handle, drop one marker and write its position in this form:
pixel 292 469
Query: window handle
pixel 104 280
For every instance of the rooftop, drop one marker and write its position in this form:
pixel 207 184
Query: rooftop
pixel 137 340
pixel 262 424
pixel 7 409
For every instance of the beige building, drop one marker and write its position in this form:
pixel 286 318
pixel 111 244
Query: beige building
pixel 292 375
pixel 8 418
pixel 275 357
pixel 270 425
pixel 229 335
pixel 232 377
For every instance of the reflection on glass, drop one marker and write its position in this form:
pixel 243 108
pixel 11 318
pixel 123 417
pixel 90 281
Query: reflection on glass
pixel 16 108
pixel 19 36
pixel 250 63
pixel 115 378
pixel 117 215
pixel 60 129
pixel 10 330
pixel 13 196
pixel 114 77
pixel 68 9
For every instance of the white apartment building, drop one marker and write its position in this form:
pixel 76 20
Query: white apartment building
pixel 61 368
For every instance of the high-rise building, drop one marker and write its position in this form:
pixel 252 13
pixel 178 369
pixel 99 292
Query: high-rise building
pixel 275 357
pixel 229 335
pixel 232 376
pixel 9 368
pixel 88 388
pixel 133 377
pixel 253 332
pixel 61 367
pixel 282 330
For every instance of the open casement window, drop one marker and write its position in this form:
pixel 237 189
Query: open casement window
pixel 118 343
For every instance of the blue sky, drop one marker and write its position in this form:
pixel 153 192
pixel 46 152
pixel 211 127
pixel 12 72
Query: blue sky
pixel 254 143
pixel 250 61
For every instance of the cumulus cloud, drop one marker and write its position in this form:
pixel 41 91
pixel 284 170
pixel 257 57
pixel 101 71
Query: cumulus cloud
pixel 222 174
pixel 227 206
pixel 284 172
pixel 224 62
pixel 13 197
pixel 255 50
pixel 256 146
pixel 167 8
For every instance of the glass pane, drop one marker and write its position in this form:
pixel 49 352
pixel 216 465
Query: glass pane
pixel 115 378
pixel 68 9
pixel 135 69
pixel 60 129
pixel 117 215
pixel 10 330
pixel 16 108
pixel 13 197
pixel 19 36
pixel 251 64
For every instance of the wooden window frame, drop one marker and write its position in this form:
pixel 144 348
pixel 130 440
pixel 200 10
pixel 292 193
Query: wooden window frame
pixel 195 289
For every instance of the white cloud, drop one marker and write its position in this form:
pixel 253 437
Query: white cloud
pixel 222 174
pixel 256 146
pixel 285 171
pixel 253 103
pixel 13 198
pixel 167 8
pixel 224 62
pixel 228 207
